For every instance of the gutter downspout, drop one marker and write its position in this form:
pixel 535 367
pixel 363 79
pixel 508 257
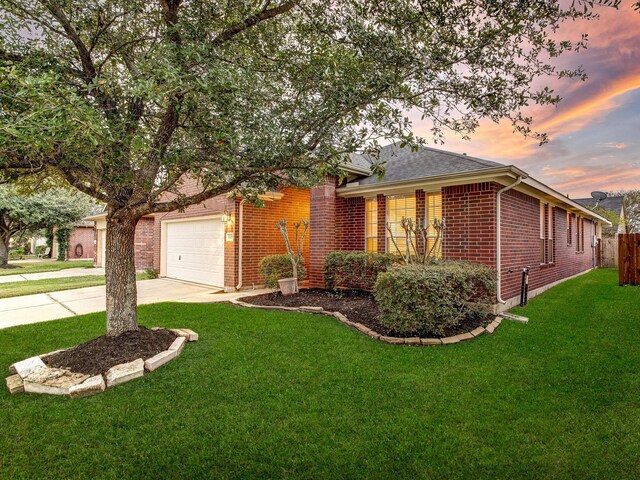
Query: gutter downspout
pixel 499 239
pixel 240 215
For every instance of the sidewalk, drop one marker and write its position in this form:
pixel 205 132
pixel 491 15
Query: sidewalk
pixel 43 307
pixel 68 272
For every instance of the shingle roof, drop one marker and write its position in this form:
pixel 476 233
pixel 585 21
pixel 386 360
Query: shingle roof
pixel 404 164
pixel 610 203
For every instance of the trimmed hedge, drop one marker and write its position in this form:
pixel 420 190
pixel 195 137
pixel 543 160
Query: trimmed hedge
pixel 425 299
pixel 275 267
pixel 355 270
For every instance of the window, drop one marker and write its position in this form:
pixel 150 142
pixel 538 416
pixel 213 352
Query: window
pixel 371 224
pixel 569 232
pixel 579 233
pixel 433 204
pixel 543 246
pixel 550 214
pixel 399 207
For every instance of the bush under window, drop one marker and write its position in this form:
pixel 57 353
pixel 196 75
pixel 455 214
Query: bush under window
pixel 355 270
pixel 275 267
pixel 424 300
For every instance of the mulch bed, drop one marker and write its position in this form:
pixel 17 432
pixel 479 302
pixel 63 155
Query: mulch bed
pixel 358 306
pixel 100 354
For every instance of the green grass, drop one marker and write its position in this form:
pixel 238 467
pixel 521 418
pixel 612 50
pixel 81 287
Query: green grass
pixel 46 266
pixel 15 289
pixel 284 395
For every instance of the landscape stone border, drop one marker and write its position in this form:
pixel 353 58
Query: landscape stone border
pixel 415 341
pixel 34 376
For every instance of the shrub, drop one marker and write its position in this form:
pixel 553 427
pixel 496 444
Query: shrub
pixel 16 253
pixel 426 299
pixel 357 270
pixel 274 267
pixel 40 249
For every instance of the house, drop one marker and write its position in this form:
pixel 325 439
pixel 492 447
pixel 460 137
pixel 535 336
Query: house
pixel 81 242
pixel 143 240
pixel 609 241
pixel 494 214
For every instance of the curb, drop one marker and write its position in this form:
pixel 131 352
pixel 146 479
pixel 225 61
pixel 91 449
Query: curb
pixel 413 341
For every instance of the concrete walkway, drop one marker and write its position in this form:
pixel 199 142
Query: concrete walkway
pixel 64 273
pixel 54 305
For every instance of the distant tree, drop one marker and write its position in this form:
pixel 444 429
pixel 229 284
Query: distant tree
pixel 23 214
pixel 124 99
pixel 631 209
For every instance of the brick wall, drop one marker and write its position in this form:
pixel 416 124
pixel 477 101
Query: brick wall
pixel 521 245
pixel 323 228
pixel 470 219
pixel 261 237
pixel 84 236
pixel 350 223
pixel 144 243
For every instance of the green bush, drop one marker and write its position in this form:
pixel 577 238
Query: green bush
pixel 274 267
pixel 40 249
pixel 63 234
pixel 355 270
pixel 423 300
pixel 16 253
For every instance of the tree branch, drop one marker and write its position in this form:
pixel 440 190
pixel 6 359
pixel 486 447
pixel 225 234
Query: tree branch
pixel 253 20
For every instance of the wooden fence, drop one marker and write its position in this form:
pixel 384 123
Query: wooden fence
pixel 629 258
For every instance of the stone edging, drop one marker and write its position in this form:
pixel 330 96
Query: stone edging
pixel 415 341
pixel 33 376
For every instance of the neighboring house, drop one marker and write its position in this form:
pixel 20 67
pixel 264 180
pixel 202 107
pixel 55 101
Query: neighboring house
pixel 143 241
pixel 221 241
pixel 81 242
pixel 609 241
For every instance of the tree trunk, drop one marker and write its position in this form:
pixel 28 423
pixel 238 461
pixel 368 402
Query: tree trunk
pixel 122 301
pixel 4 253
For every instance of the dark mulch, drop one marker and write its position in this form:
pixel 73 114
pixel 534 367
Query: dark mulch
pixel 358 306
pixel 100 354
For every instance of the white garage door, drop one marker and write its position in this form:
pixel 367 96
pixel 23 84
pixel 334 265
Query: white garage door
pixel 195 251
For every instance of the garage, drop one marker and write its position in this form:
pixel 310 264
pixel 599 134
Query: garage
pixel 194 251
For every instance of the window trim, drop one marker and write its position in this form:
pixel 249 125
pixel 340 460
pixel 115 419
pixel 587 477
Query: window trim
pixel 367 222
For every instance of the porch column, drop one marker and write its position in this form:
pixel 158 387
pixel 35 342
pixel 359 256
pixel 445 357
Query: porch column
pixel 322 234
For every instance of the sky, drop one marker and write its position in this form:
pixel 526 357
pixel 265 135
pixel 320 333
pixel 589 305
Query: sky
pixel 595 131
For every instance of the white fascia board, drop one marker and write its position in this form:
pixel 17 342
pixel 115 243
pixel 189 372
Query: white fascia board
pixel 532 182
pixel 426 183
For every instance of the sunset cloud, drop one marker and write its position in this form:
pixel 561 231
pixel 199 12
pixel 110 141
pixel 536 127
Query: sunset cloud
pixel 594 131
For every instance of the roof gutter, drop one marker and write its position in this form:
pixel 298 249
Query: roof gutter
pixel 499 237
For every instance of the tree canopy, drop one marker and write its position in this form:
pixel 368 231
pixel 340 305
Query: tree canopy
pixel 125 99
pixel 21 214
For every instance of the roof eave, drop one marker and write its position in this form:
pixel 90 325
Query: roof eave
pixel 532 182
pixel 481 174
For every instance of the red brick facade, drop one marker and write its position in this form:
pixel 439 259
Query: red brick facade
pixel 261 237
pixel 323 228
pixel 349 228
pixel 521 245
pixel 81 241
pixel 338 223
pixel 469 212
pixel 144 243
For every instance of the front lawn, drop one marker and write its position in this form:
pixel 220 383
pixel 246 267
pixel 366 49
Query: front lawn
pixel 46 266
pixel 286 395
pixel 29 287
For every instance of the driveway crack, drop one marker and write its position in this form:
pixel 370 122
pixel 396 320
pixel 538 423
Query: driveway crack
pixel 60 303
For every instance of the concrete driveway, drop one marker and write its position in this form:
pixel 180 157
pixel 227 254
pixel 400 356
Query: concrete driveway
pixel 54 305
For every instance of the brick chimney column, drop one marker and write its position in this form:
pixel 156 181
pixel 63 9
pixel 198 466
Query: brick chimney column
pixel 322 232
